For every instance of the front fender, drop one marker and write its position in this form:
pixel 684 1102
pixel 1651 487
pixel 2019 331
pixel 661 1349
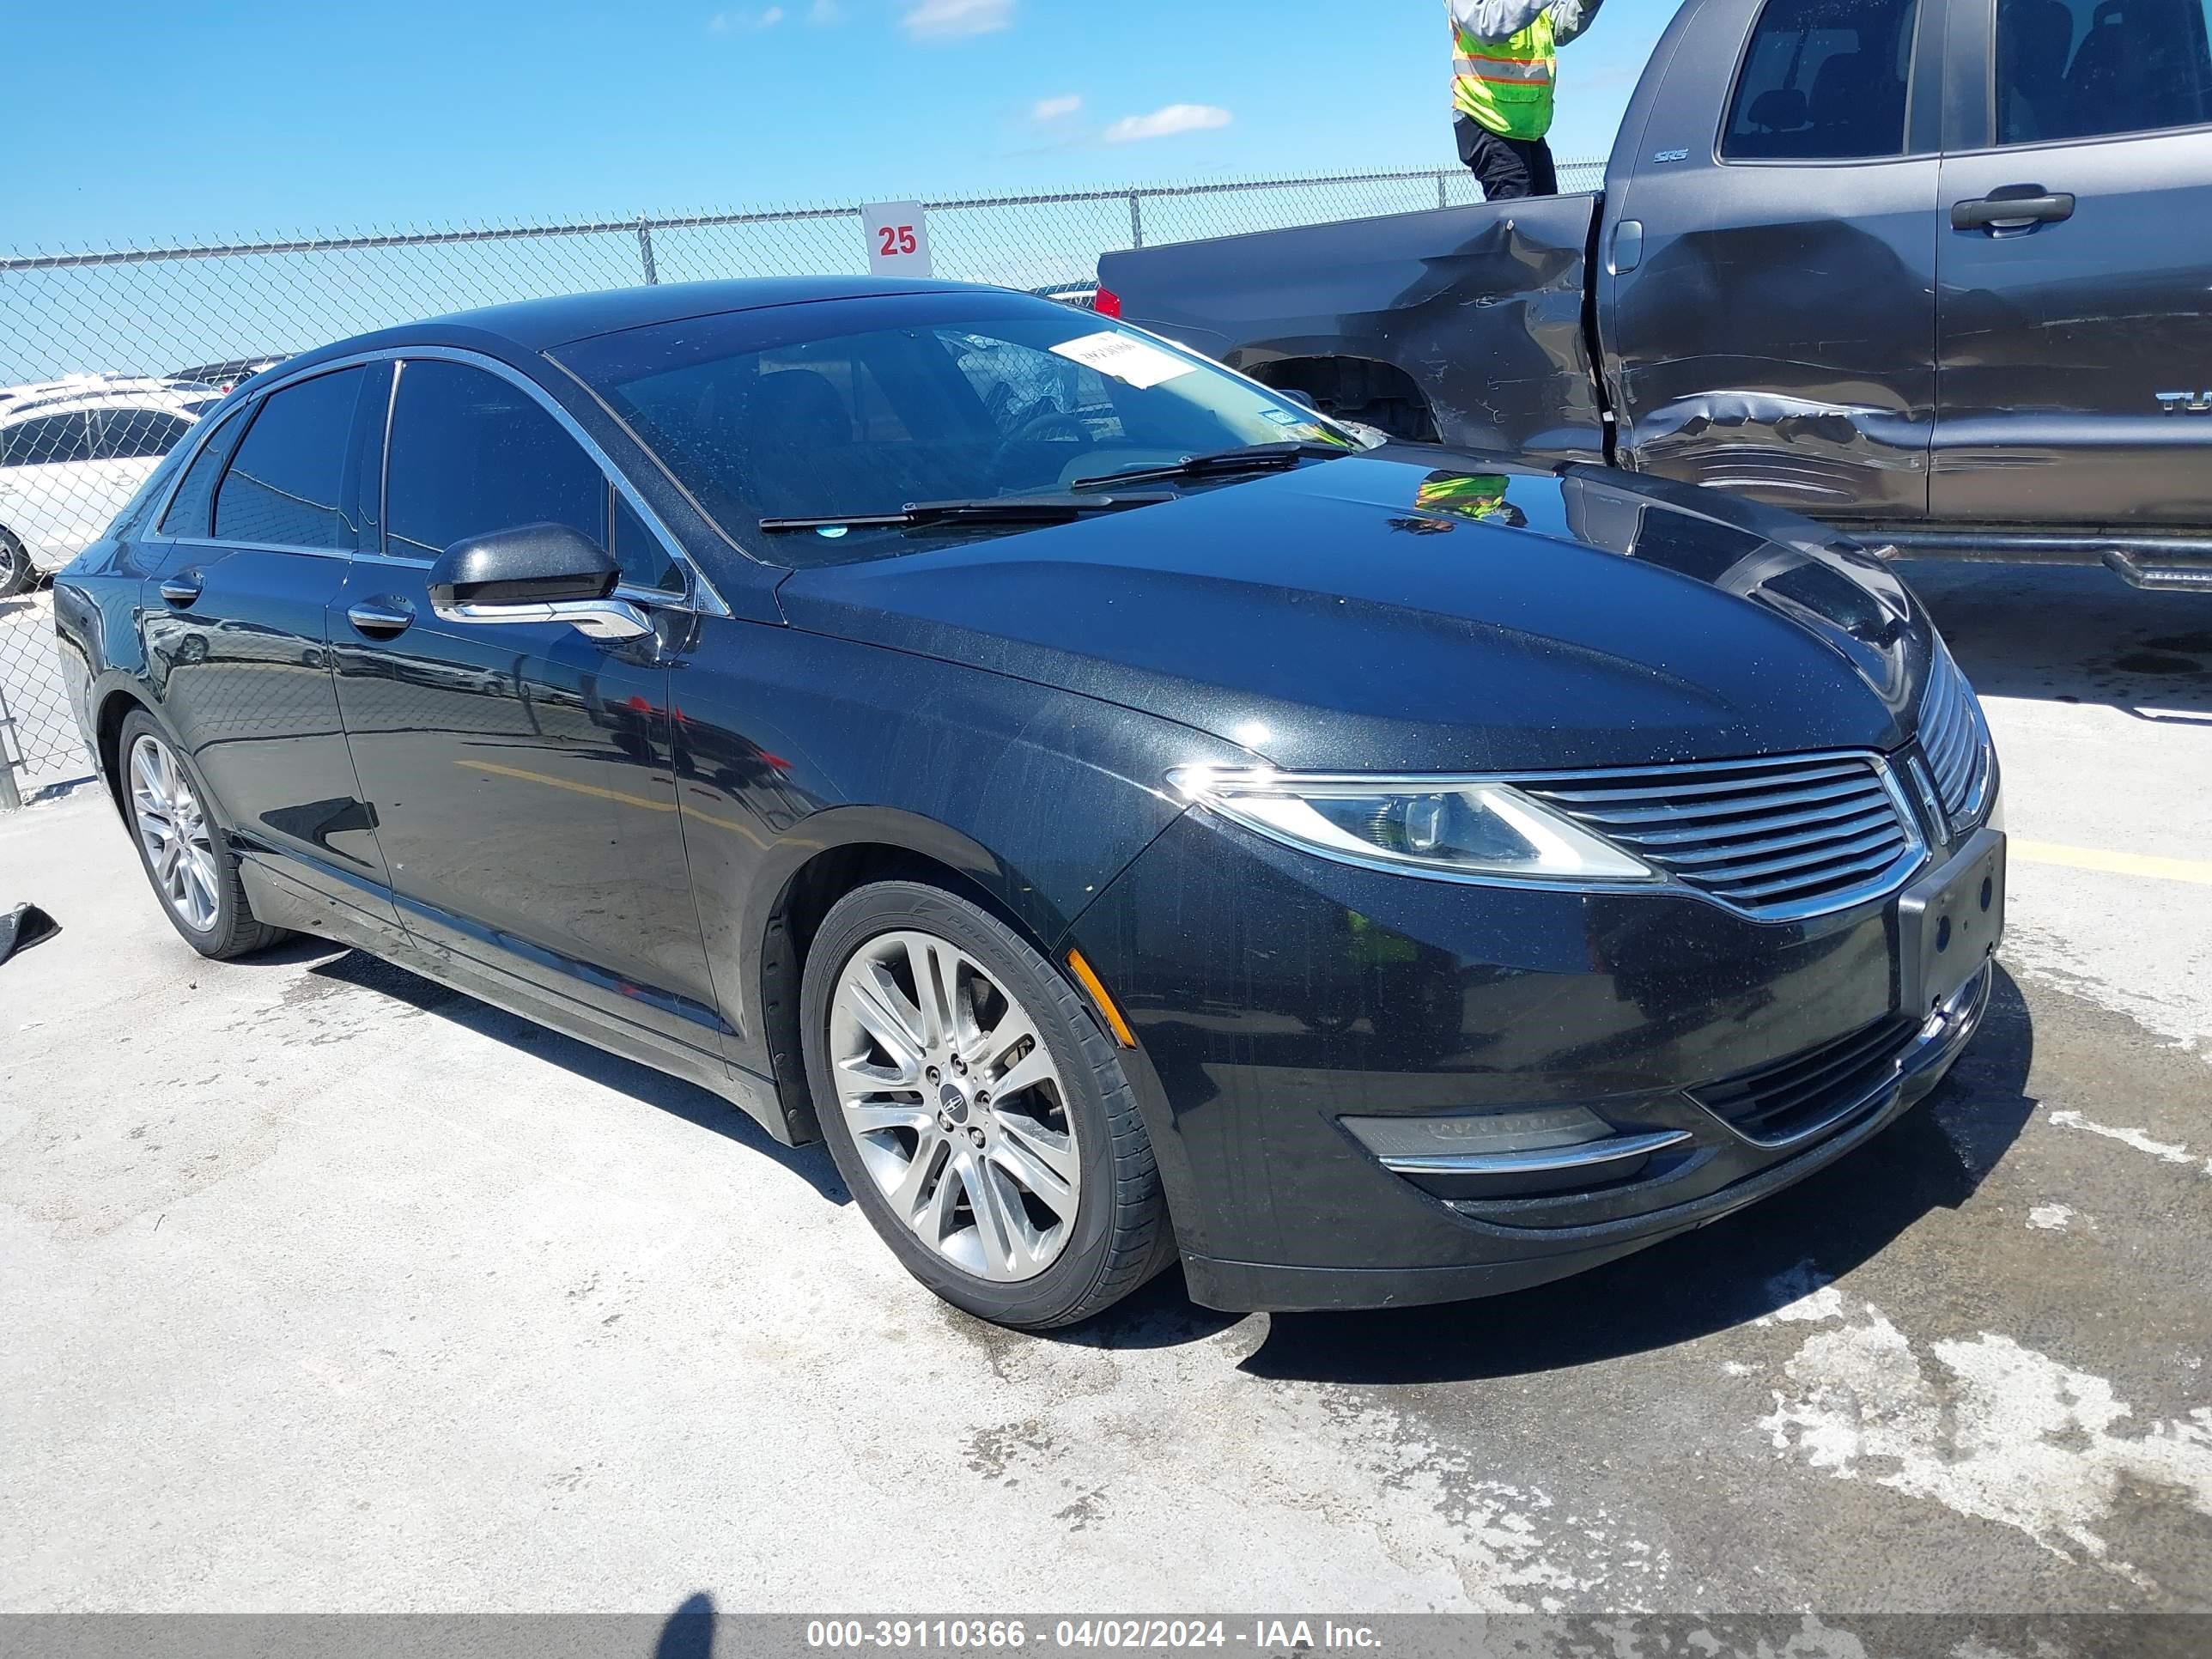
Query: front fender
pixel 794 748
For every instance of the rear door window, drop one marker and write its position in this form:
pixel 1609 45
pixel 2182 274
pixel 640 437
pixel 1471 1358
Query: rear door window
pixel 188 509
pixel 1823 81
pixel 2084 68
pixel 283 486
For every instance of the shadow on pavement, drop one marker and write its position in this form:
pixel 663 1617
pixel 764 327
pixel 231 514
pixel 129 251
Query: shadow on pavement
pixel 2060 634
pixel 1719 1276
pixel 689 1631
pixel 641 1083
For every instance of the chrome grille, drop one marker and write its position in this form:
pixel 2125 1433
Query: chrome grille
pixel 1775 839
pixel 1955 740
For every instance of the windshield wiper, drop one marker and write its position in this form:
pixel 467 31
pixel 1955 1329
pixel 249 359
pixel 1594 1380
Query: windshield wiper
pixel 1223 463
pixel 986 509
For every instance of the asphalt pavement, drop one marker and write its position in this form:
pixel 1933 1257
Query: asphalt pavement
pixel 324 1288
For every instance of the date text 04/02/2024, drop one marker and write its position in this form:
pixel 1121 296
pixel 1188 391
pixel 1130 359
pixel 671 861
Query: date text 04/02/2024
pixel 1258 1635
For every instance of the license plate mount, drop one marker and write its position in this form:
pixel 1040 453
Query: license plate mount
pixel 1950 923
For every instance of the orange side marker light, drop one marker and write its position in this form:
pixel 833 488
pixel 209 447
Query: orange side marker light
pixel 1087 977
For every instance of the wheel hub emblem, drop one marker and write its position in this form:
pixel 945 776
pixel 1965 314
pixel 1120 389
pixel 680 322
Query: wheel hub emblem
pixel 955 1103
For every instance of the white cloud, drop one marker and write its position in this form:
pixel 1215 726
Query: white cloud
pixel 944 19
pixel 1167 123
pixel 1054 109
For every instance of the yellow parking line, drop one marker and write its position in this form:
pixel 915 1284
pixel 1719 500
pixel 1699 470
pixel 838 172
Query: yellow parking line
pixel 2198 871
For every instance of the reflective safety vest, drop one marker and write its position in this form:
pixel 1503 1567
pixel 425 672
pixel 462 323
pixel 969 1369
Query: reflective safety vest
pixel 1506 85
pixel 1464 494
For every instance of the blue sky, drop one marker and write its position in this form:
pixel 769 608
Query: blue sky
pixel 148 122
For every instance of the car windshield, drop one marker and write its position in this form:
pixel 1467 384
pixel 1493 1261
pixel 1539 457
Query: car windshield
pixel 859 409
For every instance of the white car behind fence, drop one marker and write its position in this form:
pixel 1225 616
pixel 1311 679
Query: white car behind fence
pixel 72 453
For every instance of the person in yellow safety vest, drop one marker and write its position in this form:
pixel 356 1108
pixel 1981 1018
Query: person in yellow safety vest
pixel 1504 62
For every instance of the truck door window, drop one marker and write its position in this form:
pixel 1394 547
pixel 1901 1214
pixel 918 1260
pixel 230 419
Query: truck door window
pixel 2082 68
pixel 1823 81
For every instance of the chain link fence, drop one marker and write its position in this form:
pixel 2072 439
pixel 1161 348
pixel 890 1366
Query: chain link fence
pixel 108 357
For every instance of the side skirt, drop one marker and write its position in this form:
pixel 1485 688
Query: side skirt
pixel 281 900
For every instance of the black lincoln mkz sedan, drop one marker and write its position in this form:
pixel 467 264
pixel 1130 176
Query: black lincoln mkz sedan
pixel 1123 814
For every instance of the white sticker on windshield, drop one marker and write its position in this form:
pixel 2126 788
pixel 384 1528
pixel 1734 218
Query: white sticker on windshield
pixel 1126 358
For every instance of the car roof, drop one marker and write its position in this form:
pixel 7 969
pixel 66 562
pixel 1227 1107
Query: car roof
pixel 165 400
pixel 227 369
pixel 541 324
pixel 82 386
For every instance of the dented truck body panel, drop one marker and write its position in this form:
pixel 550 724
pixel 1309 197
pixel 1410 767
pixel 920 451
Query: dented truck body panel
pixel 1482 306
pixel 1776 336
pixel 1814 334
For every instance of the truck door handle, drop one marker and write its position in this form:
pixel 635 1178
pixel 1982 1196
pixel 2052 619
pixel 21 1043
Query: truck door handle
pixel 180 589
pixel 2003 209
pixel 380 619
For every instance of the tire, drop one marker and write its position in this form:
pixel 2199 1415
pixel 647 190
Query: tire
pixel 1033 1267
pixel 17 573
pixel 191 868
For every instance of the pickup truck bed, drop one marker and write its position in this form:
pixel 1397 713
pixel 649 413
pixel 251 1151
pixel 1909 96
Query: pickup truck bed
pixel 1479 314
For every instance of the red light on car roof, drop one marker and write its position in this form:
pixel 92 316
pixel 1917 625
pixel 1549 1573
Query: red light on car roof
pixel 1107 304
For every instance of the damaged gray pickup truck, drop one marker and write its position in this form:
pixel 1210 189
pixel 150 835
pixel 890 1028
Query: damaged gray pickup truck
pixel 1938 272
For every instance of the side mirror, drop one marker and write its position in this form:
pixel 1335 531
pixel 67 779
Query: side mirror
pixel 530 564
pixel 534 572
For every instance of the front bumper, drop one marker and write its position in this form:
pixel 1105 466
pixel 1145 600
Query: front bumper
pixel 1275 995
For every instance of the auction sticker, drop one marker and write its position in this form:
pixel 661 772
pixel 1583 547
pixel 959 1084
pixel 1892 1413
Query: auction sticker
pixel 1125 357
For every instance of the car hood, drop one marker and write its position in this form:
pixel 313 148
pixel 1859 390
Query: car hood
pixel 1423 609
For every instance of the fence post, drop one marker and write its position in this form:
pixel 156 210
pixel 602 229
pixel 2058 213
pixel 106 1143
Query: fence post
pixel 1444 196
pixel 1136 218
pixel 645 252
pixel 10 797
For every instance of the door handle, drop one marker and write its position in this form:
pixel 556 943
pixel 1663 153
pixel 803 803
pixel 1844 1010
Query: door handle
pixel 380 619
pixel 180 589
pixel 2004 210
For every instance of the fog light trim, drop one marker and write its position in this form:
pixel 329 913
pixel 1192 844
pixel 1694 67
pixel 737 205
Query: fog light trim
pixel 1528 1140
pixel 1550 1160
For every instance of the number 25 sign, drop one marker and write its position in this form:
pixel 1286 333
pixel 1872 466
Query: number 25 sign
pixel 898 239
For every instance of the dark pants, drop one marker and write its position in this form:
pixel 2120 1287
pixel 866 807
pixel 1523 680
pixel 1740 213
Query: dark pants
pixel 1508 167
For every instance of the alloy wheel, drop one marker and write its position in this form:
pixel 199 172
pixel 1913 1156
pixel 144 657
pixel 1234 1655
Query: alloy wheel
pixel 957 1107
pixel 174 831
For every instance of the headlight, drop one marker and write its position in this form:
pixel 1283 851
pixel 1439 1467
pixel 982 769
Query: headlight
pixel 1433 826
